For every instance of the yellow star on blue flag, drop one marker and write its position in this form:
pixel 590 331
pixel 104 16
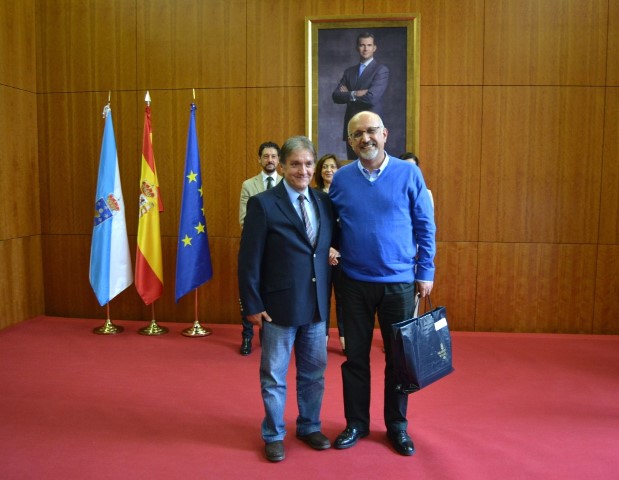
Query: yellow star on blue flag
pixel 193 256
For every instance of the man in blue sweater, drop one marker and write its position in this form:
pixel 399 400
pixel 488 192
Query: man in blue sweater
pixel 387 246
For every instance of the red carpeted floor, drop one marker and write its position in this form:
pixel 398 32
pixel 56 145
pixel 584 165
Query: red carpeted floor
pixel 74 405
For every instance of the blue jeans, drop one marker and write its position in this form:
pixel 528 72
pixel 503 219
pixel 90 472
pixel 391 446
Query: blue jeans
pixel 311 361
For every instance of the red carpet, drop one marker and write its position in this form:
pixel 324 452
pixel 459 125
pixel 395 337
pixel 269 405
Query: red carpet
pixel 76 405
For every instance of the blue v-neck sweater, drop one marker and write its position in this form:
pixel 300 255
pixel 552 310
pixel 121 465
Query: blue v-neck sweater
pixel 385 224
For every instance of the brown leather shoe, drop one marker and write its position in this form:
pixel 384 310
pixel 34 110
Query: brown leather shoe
pixel 316 440
pixel 274 451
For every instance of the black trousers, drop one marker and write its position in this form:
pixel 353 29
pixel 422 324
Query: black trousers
pixel 361 302
pixel 248 328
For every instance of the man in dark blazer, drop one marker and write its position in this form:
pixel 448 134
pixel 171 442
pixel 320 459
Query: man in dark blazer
pixel 268 158
pixel 362 86
pixel 284 283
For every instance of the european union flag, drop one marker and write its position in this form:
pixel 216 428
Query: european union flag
pixel 193 256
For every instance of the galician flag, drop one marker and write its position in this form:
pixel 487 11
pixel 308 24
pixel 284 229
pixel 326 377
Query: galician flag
pixel 148 263
pixel 193 257
pixel 110 260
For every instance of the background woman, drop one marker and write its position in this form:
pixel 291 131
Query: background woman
pixel 323 176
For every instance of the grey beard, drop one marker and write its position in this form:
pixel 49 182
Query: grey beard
pixel 371 155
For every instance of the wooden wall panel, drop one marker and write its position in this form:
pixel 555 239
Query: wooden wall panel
pixel 507 164
pixel 272 114
pixel 607 291
pixel 280 60
pixel 86 45
pixel 66 262
pixel 217 299
pixel 541 160
pixel 276 38
pixel 535 287
pixel 450 158
pixel 557 42
pixel 21 280
pixel 455 283
pixel 191 44
pixel 222 129
pixel 70 129
pixel 609 211
pixel 17 43
pixel 452 35
pixel 19 166
pixel 612 74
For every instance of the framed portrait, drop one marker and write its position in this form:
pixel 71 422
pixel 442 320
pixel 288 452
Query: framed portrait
pixel 335 89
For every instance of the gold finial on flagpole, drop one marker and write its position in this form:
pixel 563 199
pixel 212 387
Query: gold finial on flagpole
pixel 196 330
pixel 109 96
pixel 108 328
pixel 147 98
pixel 194 94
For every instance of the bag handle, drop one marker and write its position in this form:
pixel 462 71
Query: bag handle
pixel 427 300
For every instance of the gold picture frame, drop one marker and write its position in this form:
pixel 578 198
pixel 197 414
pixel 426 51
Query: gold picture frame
pixel 330 44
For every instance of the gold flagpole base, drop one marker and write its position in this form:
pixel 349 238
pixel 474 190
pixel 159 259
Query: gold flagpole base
pixel 196 330
pixel 108 329
pixel 153 329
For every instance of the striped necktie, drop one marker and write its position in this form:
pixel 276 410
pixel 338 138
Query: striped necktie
pixel 308 226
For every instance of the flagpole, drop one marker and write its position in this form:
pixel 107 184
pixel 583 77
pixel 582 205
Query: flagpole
pixel 108 328
pixel 109 254
pixel 196 330
pixel 153 328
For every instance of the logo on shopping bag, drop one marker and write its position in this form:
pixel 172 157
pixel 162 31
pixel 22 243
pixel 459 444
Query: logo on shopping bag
pixel 442 352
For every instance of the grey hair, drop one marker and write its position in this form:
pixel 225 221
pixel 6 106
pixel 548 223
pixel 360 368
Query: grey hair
pixel 299 142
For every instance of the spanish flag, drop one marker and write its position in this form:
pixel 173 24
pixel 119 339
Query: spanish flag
pixel 148 263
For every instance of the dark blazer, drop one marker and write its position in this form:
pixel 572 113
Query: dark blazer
pixel 375 78
pixel 279 270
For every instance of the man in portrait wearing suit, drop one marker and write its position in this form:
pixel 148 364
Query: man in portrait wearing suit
pixel 285 287
pixel 268 158
pixel 362 86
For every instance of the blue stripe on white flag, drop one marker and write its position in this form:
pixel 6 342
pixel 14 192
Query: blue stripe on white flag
pixel 110 260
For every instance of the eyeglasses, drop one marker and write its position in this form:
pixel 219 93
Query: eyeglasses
pixel 356 135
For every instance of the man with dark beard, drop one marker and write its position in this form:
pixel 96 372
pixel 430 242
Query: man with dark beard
pixel 268 157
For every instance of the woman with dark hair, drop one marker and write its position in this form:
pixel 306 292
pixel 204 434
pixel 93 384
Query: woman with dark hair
pixel 323 176
pixel 325 169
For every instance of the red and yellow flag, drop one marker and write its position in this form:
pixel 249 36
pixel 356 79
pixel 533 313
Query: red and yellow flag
pixel 148 263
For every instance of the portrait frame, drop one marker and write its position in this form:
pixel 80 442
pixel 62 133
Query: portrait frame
pixel 330 43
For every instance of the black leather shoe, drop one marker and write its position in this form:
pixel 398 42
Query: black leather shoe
pixel 402 442
pixel 274 451
pixel 349 437
pixel 245 346
pixel 316 440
